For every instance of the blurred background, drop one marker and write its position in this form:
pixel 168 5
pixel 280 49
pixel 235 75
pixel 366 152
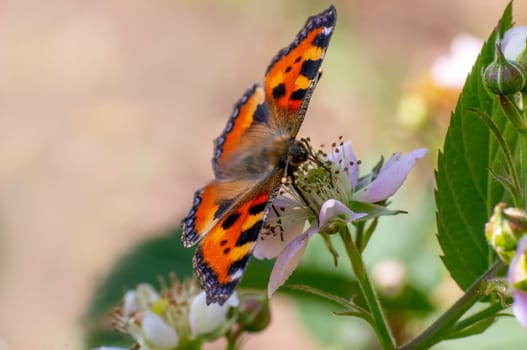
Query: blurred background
pixel 108 110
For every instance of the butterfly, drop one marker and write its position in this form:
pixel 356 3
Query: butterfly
pixel 252 157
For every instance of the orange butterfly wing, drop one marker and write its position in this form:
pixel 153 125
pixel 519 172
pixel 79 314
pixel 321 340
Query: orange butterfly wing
pixel 228 213
pixel 215 199
pixel 251 110
pixel 221 258
pixel 294 72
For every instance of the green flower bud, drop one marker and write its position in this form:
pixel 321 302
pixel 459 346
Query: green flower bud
pixel 504 76
pixel 504 229
pixel 254 312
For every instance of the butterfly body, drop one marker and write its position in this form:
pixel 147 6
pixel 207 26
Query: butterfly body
pixel 252 155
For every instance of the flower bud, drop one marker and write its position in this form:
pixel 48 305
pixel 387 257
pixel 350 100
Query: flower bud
pixel 504 229
pixel 504 76
pixel 210 321
pixel 254 313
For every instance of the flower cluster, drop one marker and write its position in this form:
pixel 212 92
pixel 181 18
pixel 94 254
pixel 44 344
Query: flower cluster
pixel 176 318
pixel 506 232
pixel 328 192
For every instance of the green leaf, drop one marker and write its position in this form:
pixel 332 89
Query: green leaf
pixel 373 210
pixel 466 191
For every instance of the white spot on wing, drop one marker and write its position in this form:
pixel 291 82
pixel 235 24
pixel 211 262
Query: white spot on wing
pixel 237 275
pixel 327 30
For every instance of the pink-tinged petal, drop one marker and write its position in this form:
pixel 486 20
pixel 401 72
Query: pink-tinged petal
pixel 345 157
pixel 333 208
pixel 516 272
pixel 519 307
pixel 390 178
pixel 269 246
pixel 288 260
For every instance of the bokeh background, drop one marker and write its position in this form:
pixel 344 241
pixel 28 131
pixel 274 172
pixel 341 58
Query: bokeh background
pixel 108 110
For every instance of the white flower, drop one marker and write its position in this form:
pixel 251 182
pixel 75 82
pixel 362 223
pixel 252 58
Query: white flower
pixel 177 316
pixel 158 333
pixel 139 299
pixel 205 319
pixel 451 70
pixel 329 190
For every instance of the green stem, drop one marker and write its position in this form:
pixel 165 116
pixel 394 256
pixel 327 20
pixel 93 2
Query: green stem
pixel 513 113
pixel 380 324
pixel 231 346
pixel 434 333
pixel 359 232
pixel 368 233
pixel 232 338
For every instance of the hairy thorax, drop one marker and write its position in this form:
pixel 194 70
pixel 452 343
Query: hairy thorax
pixel 278 153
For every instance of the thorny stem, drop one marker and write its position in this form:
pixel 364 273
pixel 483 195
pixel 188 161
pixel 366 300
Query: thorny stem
pixel 438 330
pixel 380 324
